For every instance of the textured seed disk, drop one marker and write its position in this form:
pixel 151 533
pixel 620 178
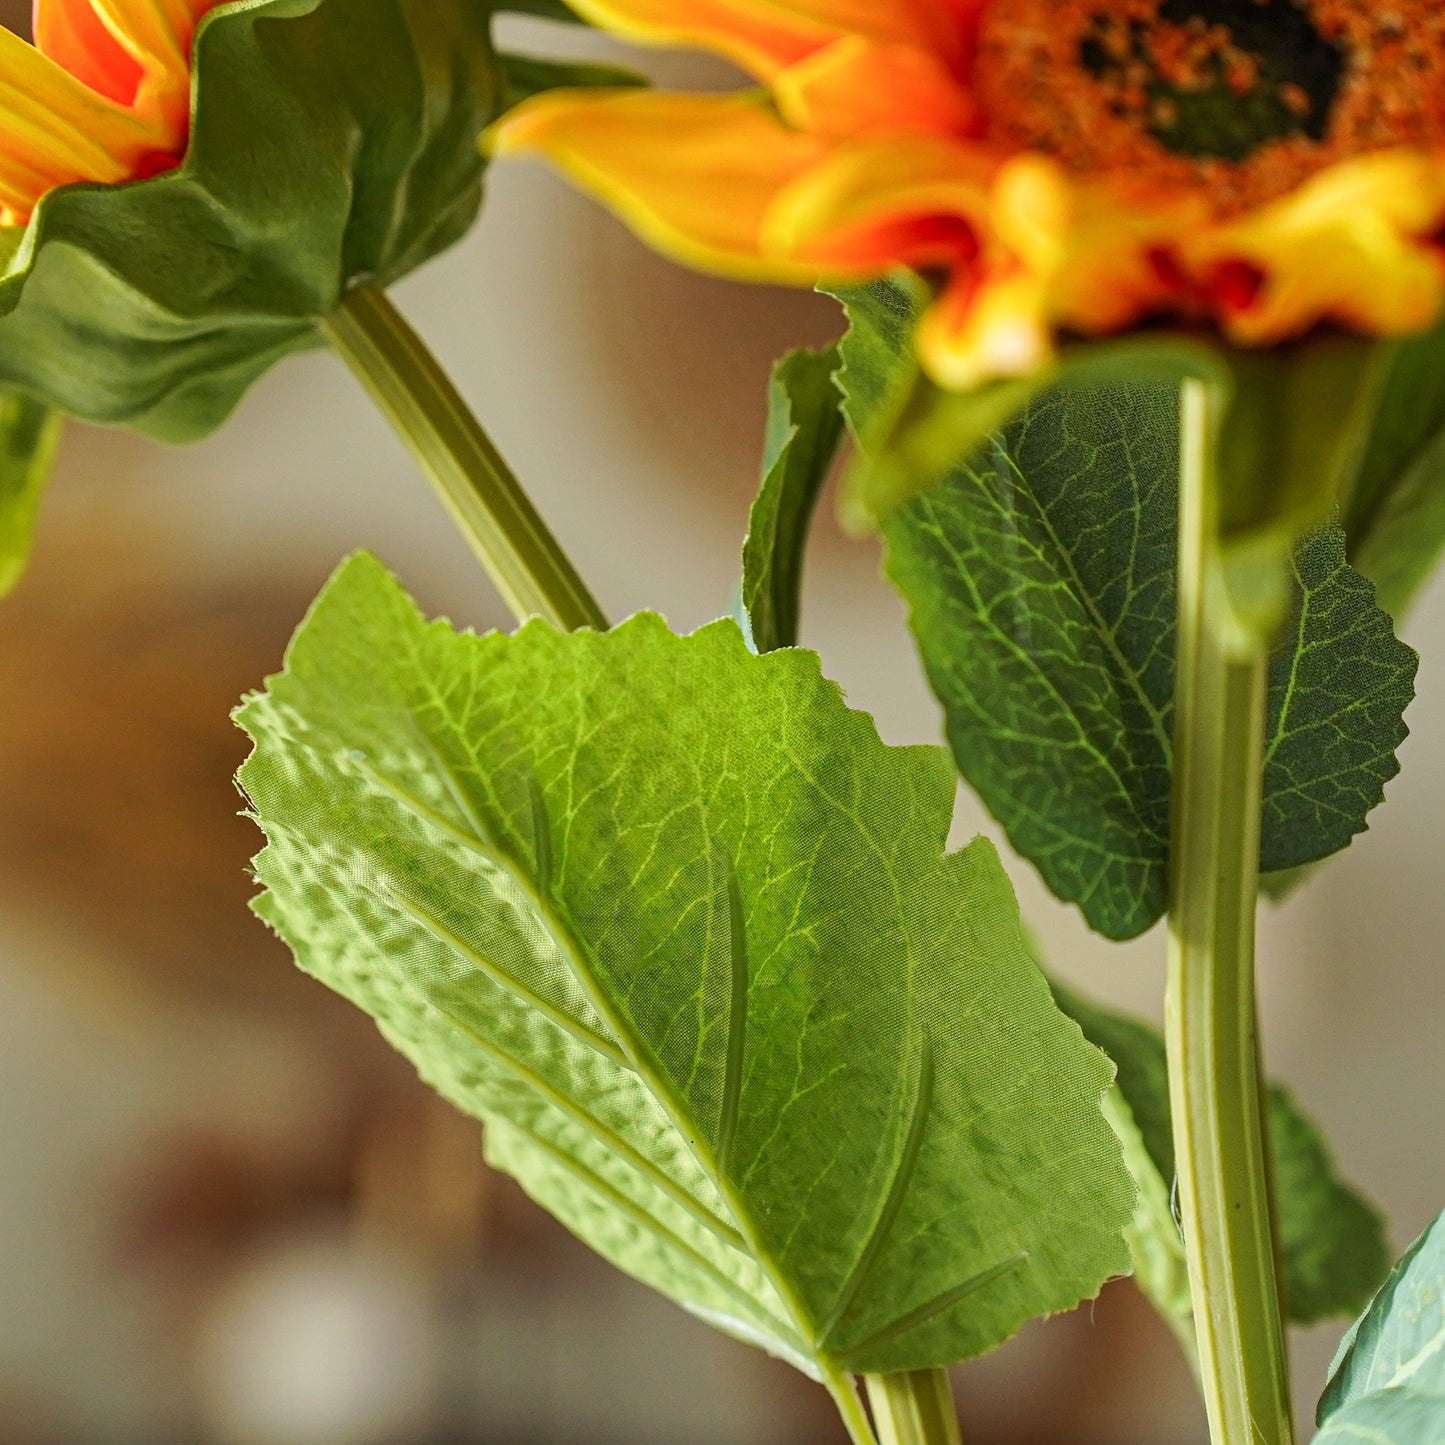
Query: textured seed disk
pixel 1244 99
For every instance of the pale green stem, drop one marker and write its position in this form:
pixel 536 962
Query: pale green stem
pixel 913 1407
pixel 1211 1022
pixel 476 486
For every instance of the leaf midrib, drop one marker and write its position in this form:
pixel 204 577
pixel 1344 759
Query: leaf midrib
pixel 575 954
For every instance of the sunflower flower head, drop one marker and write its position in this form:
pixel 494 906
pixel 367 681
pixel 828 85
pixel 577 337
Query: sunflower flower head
pixel 1052 166
pixel 189 189
pixel 103 95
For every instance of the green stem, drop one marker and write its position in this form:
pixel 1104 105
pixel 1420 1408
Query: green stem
pixel 1211 1024
pixel 476 486
pixel 913 1407
pixel 511 541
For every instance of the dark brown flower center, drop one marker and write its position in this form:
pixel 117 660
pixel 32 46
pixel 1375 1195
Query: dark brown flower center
pixel 1243 99
pixel 1217 77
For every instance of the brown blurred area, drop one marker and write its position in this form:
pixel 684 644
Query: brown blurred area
pixel 229 1215
pixel 286 1238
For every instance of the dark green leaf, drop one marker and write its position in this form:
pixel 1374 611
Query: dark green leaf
pixel 333 143
pixel 1394 513
pixel 529 75
pixel 1339 684
pixel 676 924
pixel 29 436
pixel 1335 1251
pixel 805 425
pixel 1040 577
pixel 912 433
pixel 1333 1242
pixel 1387 1383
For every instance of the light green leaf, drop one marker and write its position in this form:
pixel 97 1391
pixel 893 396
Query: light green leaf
pixel 1388 1417
pixel 672 920
pixel 333 143
pixel 1040 578
pixel 1332 1241
pixel 805 425
pixel 1398 1344
pixel 29 437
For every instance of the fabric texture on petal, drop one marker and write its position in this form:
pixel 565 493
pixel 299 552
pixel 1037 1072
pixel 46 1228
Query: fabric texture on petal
pixel 643 154
pixel 73 35
pixel 764 36
pixel 967 139
pixel 856 88
pixel 1356 245
pixel 57 129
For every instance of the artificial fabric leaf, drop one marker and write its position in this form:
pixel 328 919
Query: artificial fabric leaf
pixel 29 436
pixel 1295 421
pixel 1387 1383
pixel 1137 1108
pixel 1332 1241
pixel 529 75
pixel 805 425
pixel 1040 579
pixel 333 142
pixel 672 920
pixel 1400 1339
pixel 1388 1417
pixel 912 432
pixel 1394 509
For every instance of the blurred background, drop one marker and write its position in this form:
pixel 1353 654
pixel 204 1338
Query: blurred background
pixel 228 1214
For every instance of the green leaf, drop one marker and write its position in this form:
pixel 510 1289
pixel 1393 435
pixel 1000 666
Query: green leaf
pixel 1400 1340
pixel 1387 1383
pixel 1394 512
pixel 805 425
pixel 1332 1241
pixel 29 438
pixel 529 75
pixel 1389 1417
pixel 912 433
pixel 672 920
pixel 1040 580
pixel 333 143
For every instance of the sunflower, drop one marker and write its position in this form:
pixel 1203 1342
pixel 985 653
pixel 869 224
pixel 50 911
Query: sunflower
pixel 1264 167
pixel 102 95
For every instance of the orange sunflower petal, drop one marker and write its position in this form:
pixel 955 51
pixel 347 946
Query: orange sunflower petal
pixel 764 36
pixel 693 175
pixel 857 88
pixel 56 130
pixel 1355 244
pixel 156 33
pixel 77 39
pixel 871 205
pixel 986 326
